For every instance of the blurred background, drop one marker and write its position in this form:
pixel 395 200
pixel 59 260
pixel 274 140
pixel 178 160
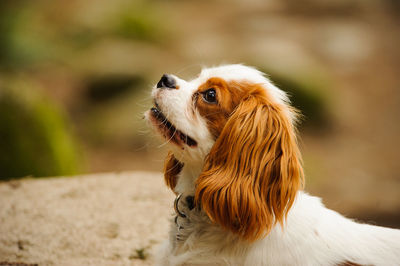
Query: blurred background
pixel 75 80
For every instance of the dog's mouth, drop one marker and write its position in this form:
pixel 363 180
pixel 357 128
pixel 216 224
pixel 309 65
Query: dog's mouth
pixel 168 130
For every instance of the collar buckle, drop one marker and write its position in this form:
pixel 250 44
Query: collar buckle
pixel 176 208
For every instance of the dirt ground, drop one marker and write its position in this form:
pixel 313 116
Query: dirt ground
pixel 107 219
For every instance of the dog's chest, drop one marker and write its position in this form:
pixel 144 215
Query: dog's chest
pixel 192 232
pixel 189 222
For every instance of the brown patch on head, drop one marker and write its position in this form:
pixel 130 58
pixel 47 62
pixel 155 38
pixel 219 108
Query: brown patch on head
pixel 172 167
pixel 229 95
pixel 253 172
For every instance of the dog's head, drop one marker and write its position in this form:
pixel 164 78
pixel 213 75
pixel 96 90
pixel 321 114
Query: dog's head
pixel 239 127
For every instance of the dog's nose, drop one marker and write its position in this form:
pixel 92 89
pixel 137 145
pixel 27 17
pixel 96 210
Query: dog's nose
pixel 167 81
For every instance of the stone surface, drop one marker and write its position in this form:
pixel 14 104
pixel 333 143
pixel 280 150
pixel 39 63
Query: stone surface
pixel 104 219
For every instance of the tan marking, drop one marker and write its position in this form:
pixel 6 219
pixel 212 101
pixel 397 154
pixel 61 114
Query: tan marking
pixel 172 167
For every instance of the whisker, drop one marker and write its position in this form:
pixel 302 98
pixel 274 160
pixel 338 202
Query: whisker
pixel 188 67
pixel 168 141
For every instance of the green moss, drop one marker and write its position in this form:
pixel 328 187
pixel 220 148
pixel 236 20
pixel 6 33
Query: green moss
pixel 34 136
pixel 140 22
pixel 21 42
pixel 140 254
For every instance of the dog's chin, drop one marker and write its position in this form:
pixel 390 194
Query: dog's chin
pixel 168 130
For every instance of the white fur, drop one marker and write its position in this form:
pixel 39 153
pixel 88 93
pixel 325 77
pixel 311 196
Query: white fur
pixel 311 235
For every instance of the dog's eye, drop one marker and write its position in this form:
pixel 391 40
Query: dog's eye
pixel 210 96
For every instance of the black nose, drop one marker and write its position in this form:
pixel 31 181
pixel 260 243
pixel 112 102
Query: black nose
pixel 167 81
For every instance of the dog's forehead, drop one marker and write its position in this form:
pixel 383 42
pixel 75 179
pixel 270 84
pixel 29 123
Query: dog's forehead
pixel 232 72
pixel 241 73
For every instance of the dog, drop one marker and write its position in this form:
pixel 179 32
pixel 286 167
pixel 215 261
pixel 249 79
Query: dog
pixel 236 169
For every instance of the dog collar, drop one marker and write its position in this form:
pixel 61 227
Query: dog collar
pixel 189 202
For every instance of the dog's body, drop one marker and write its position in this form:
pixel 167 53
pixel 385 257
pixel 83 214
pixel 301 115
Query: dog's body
pixel 312 235
pixel 234 151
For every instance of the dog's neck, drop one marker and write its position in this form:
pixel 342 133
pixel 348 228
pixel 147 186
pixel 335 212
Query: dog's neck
pixel 187 178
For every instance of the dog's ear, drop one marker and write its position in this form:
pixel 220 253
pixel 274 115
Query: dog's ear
pixel 253 171
pixel 172 167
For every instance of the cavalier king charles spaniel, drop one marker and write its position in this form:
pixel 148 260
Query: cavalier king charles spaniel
pixel 236 169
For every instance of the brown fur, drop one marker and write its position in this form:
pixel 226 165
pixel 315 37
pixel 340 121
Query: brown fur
pixel 253 171
pixel 228 96
pixel 172 167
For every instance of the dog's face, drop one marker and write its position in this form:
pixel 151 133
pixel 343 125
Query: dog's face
pixel 233 122
pixel 175 115
pixel 191 115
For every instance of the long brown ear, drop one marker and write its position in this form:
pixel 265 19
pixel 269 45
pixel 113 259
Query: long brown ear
pixel 253 171
pixel 172 167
